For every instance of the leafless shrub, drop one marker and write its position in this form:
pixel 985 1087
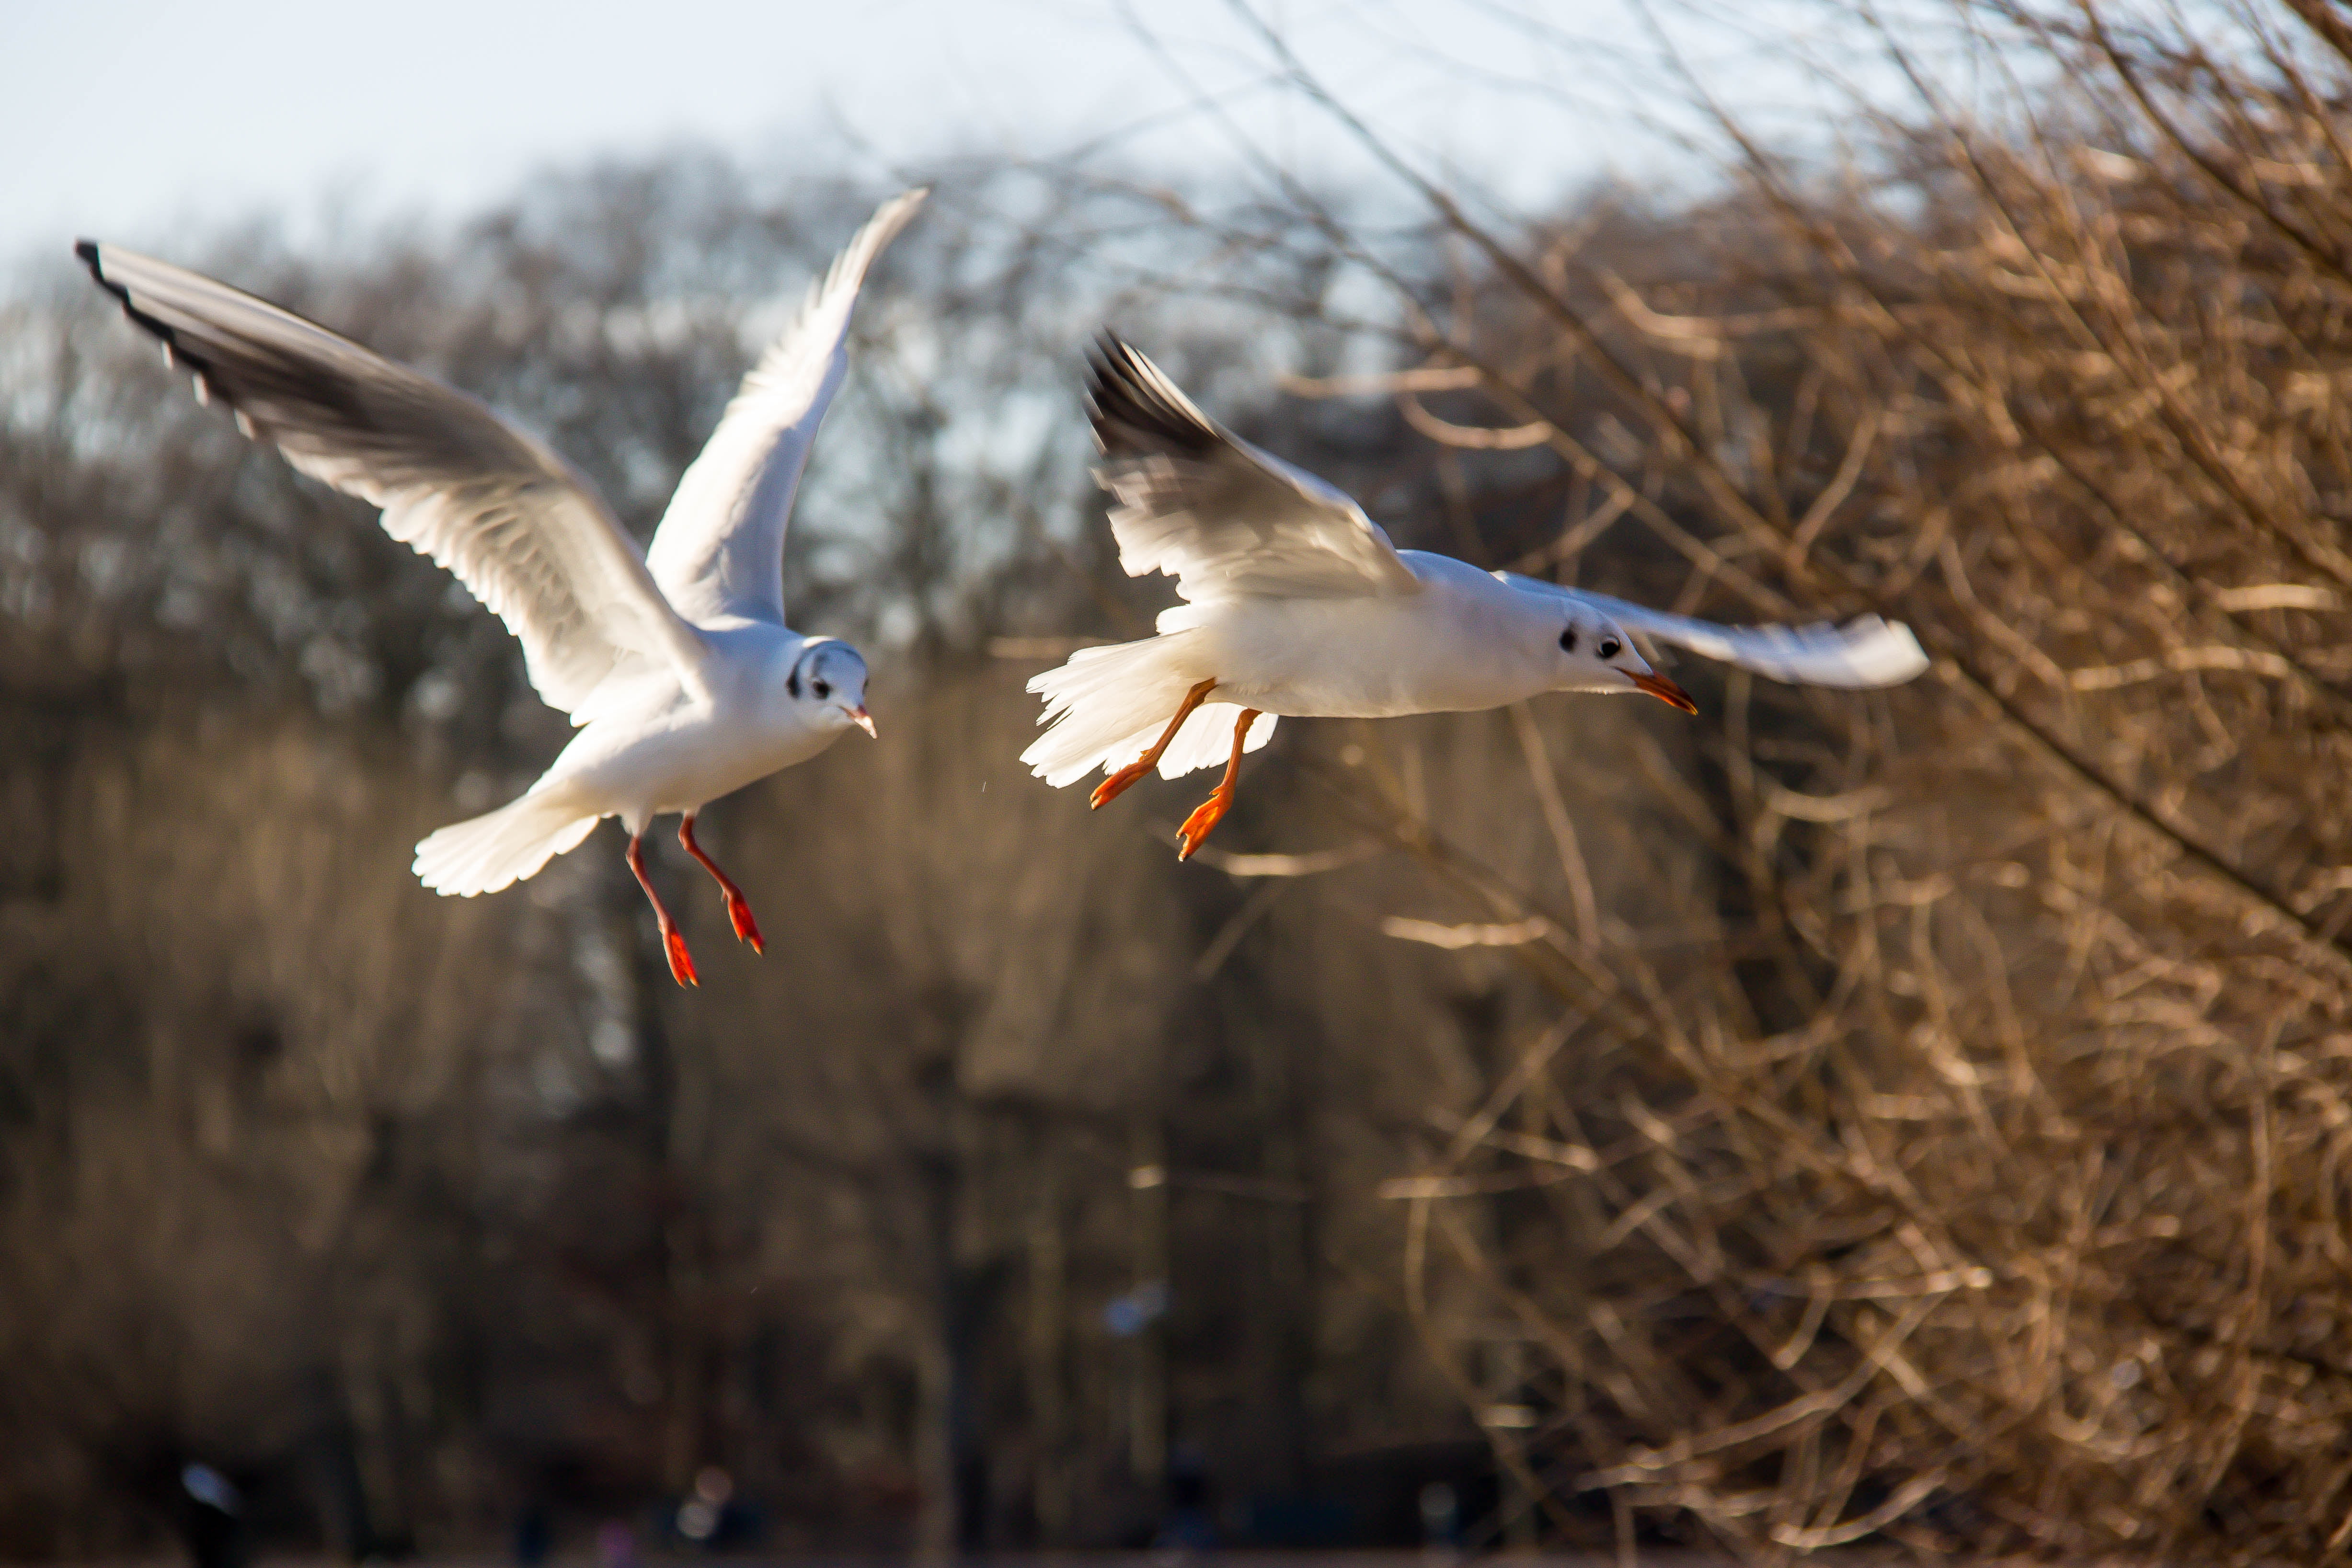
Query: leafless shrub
pixel 1980 1185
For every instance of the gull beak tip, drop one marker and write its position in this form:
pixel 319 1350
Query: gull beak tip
pixel 1664 690
pixel 865 721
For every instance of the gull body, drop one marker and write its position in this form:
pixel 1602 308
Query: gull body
pixel 676 662
pixel 661 749
pixel 1465 641
pixel 1297 606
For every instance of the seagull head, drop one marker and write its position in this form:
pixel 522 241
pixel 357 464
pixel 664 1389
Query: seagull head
pixel 828 678
pixel 1600 657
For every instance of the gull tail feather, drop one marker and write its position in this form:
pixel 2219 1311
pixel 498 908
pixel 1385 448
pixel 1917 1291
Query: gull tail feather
pixel 485 853
pixel 1106 704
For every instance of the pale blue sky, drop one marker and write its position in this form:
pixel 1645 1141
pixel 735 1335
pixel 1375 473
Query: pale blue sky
pixel 141 119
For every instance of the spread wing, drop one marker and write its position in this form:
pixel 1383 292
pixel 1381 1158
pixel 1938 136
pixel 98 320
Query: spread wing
pixel 1223 518
pixel 720 550
pixel 526 535
pixel 1864 651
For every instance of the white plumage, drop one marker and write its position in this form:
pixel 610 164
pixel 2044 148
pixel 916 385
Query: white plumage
pixel 720 550
pixel 1864 653
pixel 1297 604
pixel 676 663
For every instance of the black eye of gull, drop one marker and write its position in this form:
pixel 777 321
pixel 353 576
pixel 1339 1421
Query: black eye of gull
pixel 1568 641
pixel 823 690
pixel 1611 647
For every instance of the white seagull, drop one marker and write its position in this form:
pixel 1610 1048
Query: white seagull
pixel 1298 605
pixel 677 662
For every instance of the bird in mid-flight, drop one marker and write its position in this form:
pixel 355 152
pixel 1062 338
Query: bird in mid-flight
pixel 676 662
pixel 1298 605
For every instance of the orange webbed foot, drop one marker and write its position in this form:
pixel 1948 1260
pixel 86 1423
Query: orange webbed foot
pixel 681 962
pixel 1202 823
pixel 739 908
pixel 1112 787
pixel 739 912
pixel 1211 811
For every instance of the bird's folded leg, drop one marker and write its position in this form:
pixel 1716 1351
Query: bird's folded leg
pixel 681 963
pixel 739 908
pixel 1211 811
pixel 1110 789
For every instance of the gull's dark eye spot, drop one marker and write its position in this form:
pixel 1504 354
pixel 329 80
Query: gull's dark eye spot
pixel 1611 647
pixel 822 689
pixel 1568 641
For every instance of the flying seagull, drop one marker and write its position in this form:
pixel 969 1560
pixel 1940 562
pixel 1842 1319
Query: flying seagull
pixel 1297 605
pixel 676 662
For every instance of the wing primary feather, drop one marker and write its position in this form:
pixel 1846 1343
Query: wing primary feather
pixel 516 525
pixel 176 353
pixel 1223 518
pixel 1136 409
pixel 720 549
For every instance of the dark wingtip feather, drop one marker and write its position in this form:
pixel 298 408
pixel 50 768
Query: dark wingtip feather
pixel 1131 411
pixel 86 249
pixel 174 352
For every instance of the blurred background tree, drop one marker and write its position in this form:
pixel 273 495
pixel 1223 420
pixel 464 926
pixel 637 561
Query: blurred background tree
pixel 1912 1116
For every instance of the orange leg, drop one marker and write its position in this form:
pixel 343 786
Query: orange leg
pixel 739 908
pixel 1211 811
pixel 1112 787
pixel 681 965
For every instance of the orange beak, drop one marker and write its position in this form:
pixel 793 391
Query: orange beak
pixel 865 721
pixel 1664 690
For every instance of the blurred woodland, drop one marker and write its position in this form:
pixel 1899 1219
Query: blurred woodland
pixel 1916 1117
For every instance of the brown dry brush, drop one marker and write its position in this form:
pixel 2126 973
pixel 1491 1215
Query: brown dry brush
pixel 1932 1130
pixel 1990 1189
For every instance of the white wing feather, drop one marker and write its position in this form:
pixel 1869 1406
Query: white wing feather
pixel 1223 518
pixel 526 535
pixel 1866 652
pixel 720 550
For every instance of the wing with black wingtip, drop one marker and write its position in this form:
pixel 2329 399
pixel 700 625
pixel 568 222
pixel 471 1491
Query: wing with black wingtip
pixel 1222 517
pixel 526 535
